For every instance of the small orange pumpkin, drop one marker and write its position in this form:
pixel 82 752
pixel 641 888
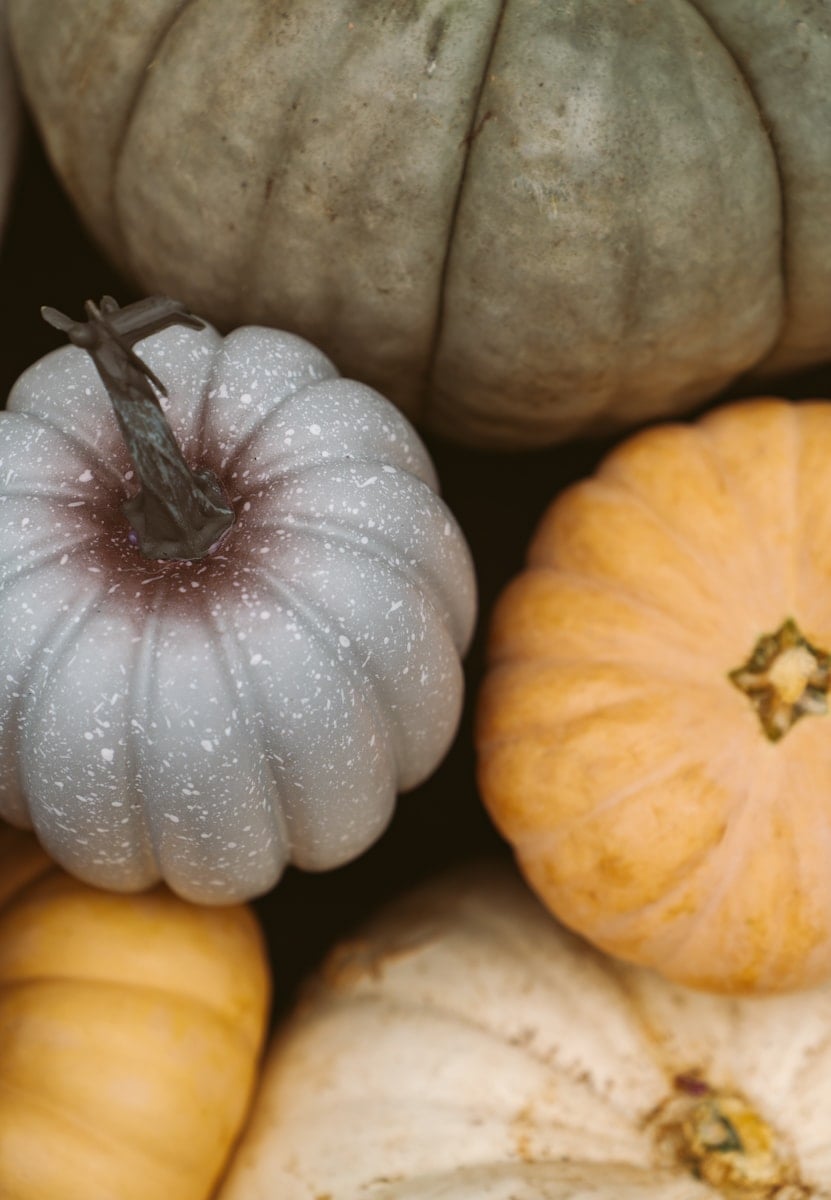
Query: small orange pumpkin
pixel 653 734
pixel 130 1030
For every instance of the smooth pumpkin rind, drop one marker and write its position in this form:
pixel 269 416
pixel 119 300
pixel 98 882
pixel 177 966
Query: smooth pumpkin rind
pixel 635 780
pixel 128 1053
pixel 130 1029
pixel 55 929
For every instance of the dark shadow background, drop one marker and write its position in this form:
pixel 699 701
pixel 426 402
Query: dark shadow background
pixel 48 259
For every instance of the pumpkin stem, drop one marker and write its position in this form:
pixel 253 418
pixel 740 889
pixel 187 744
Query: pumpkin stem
pixel 785 678
pixel 177 513
pixel 721 1139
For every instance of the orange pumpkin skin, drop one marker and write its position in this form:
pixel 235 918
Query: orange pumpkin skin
pixel 644 799
pixel 130 1030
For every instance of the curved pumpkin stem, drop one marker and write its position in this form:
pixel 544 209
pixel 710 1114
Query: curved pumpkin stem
pixel 177 513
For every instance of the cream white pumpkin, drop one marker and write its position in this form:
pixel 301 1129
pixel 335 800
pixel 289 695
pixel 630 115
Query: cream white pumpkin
pixel 465 1046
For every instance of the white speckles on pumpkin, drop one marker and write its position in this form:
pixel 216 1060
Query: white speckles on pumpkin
pixel 264 704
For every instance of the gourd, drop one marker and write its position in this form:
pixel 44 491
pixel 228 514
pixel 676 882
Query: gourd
pixel 520 222
pixel 652 729
pixel 130 1031
pixel 232 650
pixel 464 1046
pixel 9 117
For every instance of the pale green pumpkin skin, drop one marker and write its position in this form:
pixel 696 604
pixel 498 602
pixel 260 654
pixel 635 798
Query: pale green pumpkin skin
pixel 522 221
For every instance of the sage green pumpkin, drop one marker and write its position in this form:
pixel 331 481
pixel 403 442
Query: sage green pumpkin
pixel 521 220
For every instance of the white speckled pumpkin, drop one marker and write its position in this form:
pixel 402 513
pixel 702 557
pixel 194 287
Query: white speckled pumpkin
pixel 465 1047
pixel 520 220
pixel 205 722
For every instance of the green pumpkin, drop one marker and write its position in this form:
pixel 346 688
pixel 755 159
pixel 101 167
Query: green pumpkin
pixel 521 220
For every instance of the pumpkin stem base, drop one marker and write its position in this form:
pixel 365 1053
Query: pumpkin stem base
pixel 178 513
pixel 785 678
pixel 720 1139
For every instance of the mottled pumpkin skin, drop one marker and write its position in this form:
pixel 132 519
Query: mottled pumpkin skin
pixel 635 781
pixel 130 1030
pixel 464 1047
pixel 521 221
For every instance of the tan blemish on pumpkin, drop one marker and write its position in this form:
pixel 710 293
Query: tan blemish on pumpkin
pixel 363 959
pixel 718 1136
pixel 523 1143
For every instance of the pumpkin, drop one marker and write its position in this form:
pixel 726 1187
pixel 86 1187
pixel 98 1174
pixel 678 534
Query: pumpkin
pixel 205 712
pixel 464 1046
pixel 130 1029
pixel 522 222
pixel 9 116
pixel 652 730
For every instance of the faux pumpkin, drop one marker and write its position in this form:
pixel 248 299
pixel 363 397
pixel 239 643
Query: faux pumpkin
pixel 208 713
pixel 520 221
pixel 9 116
pixel 653 728
pixel 464 1046
pixel 130 1029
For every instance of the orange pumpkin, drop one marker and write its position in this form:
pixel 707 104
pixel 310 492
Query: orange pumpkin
pixel 130 1029
pixel 653 734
